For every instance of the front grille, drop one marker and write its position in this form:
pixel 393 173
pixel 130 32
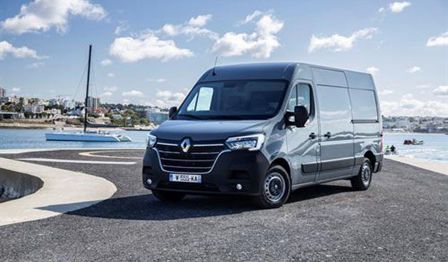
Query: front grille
pixel 199 159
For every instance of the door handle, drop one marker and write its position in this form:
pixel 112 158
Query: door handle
pixel 312 135
pixel 327 135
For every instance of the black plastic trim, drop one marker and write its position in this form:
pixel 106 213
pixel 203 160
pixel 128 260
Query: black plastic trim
pixel 310 168
pixel 337 163
pixel 365 121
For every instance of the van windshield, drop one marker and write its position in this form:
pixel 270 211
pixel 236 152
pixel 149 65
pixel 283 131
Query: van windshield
pixel 234 100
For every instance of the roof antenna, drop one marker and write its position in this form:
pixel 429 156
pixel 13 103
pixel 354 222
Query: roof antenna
pixel 213 70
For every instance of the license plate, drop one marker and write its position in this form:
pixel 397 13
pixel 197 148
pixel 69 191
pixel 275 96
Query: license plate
pixel 183 178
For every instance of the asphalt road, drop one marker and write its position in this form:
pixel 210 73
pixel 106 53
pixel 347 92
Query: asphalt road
pixel 402 217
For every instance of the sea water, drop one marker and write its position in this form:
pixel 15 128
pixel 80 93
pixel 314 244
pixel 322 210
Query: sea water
pixel 435 146
pixel 35 138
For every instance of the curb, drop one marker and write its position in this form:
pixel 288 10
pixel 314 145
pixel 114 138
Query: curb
pixel 63 191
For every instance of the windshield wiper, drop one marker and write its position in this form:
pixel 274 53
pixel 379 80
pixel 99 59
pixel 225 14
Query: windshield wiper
pixel 191 116
pixel 227 117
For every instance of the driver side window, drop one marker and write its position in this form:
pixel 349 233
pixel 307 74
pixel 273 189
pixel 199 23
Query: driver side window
pixel 300 96
pixel 202 100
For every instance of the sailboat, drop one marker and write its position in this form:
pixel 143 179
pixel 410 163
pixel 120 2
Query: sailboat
pixel 87 135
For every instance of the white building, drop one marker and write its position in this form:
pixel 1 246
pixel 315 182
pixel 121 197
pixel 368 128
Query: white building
pixel 157 116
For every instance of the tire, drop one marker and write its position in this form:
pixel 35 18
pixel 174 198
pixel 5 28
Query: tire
pixel 167 196
pixel 275 188
pixel 364 178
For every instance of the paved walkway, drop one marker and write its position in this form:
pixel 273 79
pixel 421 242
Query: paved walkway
pixel 63 191
pixel 434 166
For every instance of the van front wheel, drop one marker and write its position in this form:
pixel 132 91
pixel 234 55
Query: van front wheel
pixel 364 178
pixel 275 188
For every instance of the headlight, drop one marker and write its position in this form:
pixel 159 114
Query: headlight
pixel 251 142
pixel 151 140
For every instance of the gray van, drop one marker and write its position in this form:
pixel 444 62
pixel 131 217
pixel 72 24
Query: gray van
pixel 264 130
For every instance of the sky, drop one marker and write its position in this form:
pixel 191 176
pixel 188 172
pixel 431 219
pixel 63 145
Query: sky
pixel 152 52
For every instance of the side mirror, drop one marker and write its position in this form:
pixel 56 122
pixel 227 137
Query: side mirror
pixel 300 116
pixel 172 112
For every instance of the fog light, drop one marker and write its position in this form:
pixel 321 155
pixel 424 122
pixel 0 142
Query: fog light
pixel 239 186
pixel 149 181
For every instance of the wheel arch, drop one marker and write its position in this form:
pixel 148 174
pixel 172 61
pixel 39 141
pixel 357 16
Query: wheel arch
pixel 280 161
pixel 371 156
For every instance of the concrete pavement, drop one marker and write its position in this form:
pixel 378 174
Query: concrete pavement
pixel 402 217
pixel 62 191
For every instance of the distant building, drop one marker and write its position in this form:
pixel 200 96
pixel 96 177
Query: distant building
pixel 53 102
pixel 93 103
pixel 4 100
pixel 67 103
pixel 10 99
pixel 117 117
pixel 157 116
pixel 34 109
pixel 142 111
pixel 8 115
pixel 53 111
pixel 2 92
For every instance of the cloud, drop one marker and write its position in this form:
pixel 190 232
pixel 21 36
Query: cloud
pixel 106 62
pixel 110 88
pixel 423 86
pixel 20 52
pixel 398 7
pixel 108 91
pixel 381 10
pixel 15 89
pixel 166 98
pixel 259 44
pixel 441 91
pixel 36 65
pixel 192 28
pixel 42 15
pixel 152 44
pixel 338 42
pixel 372 70
pixel 157 80
pixel 410 106
pixel 121 27
pixel 386 92
pixel 254 15
pixel 440 40
pixel 414 69
pixel 106 94
pixel 110 74
pixel 132 93
pixel 200 20
pixel 147 46
pixel 409 102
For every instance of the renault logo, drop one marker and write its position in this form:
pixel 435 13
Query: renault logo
pixel 185 145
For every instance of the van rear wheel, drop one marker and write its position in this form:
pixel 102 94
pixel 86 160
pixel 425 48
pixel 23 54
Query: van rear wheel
pixel 364 178
pixel 167 196
pixel 275 188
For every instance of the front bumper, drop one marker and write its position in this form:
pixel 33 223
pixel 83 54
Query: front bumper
pixel 231 168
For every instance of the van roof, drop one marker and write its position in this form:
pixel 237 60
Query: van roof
pixel 287 71
pixel 271 70
pixel 250 71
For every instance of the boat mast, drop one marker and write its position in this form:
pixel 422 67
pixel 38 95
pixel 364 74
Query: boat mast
pixel 87 89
